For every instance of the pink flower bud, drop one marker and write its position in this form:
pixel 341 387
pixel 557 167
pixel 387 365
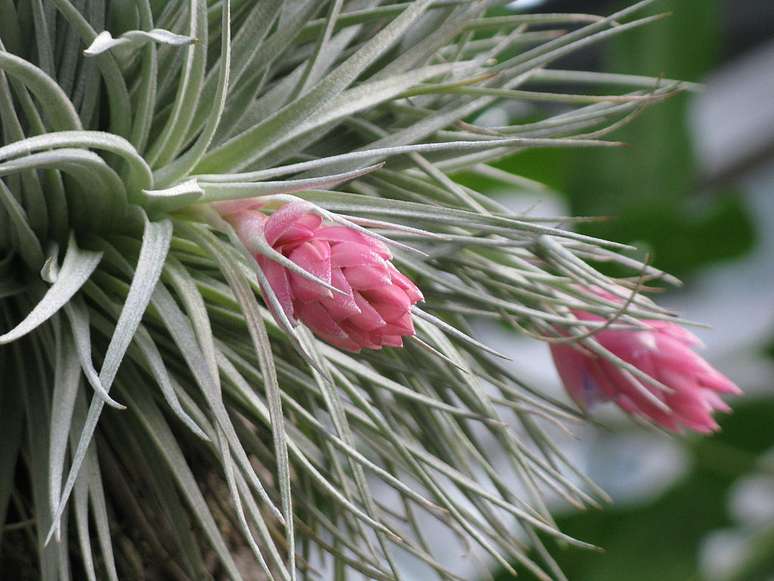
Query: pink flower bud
pixel 665 352
pixel 374 308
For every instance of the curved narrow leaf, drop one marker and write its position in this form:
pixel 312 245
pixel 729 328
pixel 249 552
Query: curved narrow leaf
pixel 59 110
pixel 246 148
pixel 140 175
pixel 183 164
pixel 117 92
pixel 67 381
pixel 29 245
pixel 77 266
pixel 260 339
pixel 78 316
pixel 155 245
pixel 172 136
pixel 135 38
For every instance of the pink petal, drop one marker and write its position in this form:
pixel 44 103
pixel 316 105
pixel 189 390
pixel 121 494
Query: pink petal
pixel 402 326
pixel 313 257
pixel 300 231
pixel 676 332
pixel 580 379
pixel 353 254
pixel 713 402
pixel 281 220
pixel 339 306
pixel 719 382
pixel 368 277
pixel 346 343
pixel 293 235
pixel 248 224
pixel 691 408
pixel 390 301
pixel 635 347
pixel 392 340
pixel 278 280
pixel 363 338
pixel 404 282
pixel 317 318
pixel 673 355
pixel 369 319
pixel 344 234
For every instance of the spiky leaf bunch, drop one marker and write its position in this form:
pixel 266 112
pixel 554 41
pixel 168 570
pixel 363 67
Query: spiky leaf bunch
pixel 155 418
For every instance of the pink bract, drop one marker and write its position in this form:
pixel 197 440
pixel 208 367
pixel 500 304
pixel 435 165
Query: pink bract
pixel 374 308
pixel 665 351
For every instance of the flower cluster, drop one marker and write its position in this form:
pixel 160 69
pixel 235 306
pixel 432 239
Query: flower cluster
pixel 372 309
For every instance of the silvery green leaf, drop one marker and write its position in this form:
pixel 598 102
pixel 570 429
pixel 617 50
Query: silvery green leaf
pixel 218 191
pixel 172 137
pixel 140 174
pixel 155 246
pixel 77 266
pixel 181 194
pixel 59 110
pixel 268 134
pixel 78 317
pixel 30 249
pixel 135 38
pixel 67 382
pixel 117 92
pixel 167 445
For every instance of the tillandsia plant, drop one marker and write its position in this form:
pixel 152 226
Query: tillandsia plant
pixel 237 277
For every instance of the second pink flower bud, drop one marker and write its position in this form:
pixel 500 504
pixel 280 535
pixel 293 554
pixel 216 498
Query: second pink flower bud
pixel 665 352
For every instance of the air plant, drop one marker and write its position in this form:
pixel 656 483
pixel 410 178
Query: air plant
pixel 189 374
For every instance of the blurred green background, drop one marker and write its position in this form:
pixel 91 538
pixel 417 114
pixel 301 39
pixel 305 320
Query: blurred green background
pixel 693 220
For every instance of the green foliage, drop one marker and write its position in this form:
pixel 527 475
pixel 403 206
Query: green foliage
pixel 156 418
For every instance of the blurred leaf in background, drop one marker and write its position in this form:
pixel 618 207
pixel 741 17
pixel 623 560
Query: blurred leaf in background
pixel 651 191
pixel 650 188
